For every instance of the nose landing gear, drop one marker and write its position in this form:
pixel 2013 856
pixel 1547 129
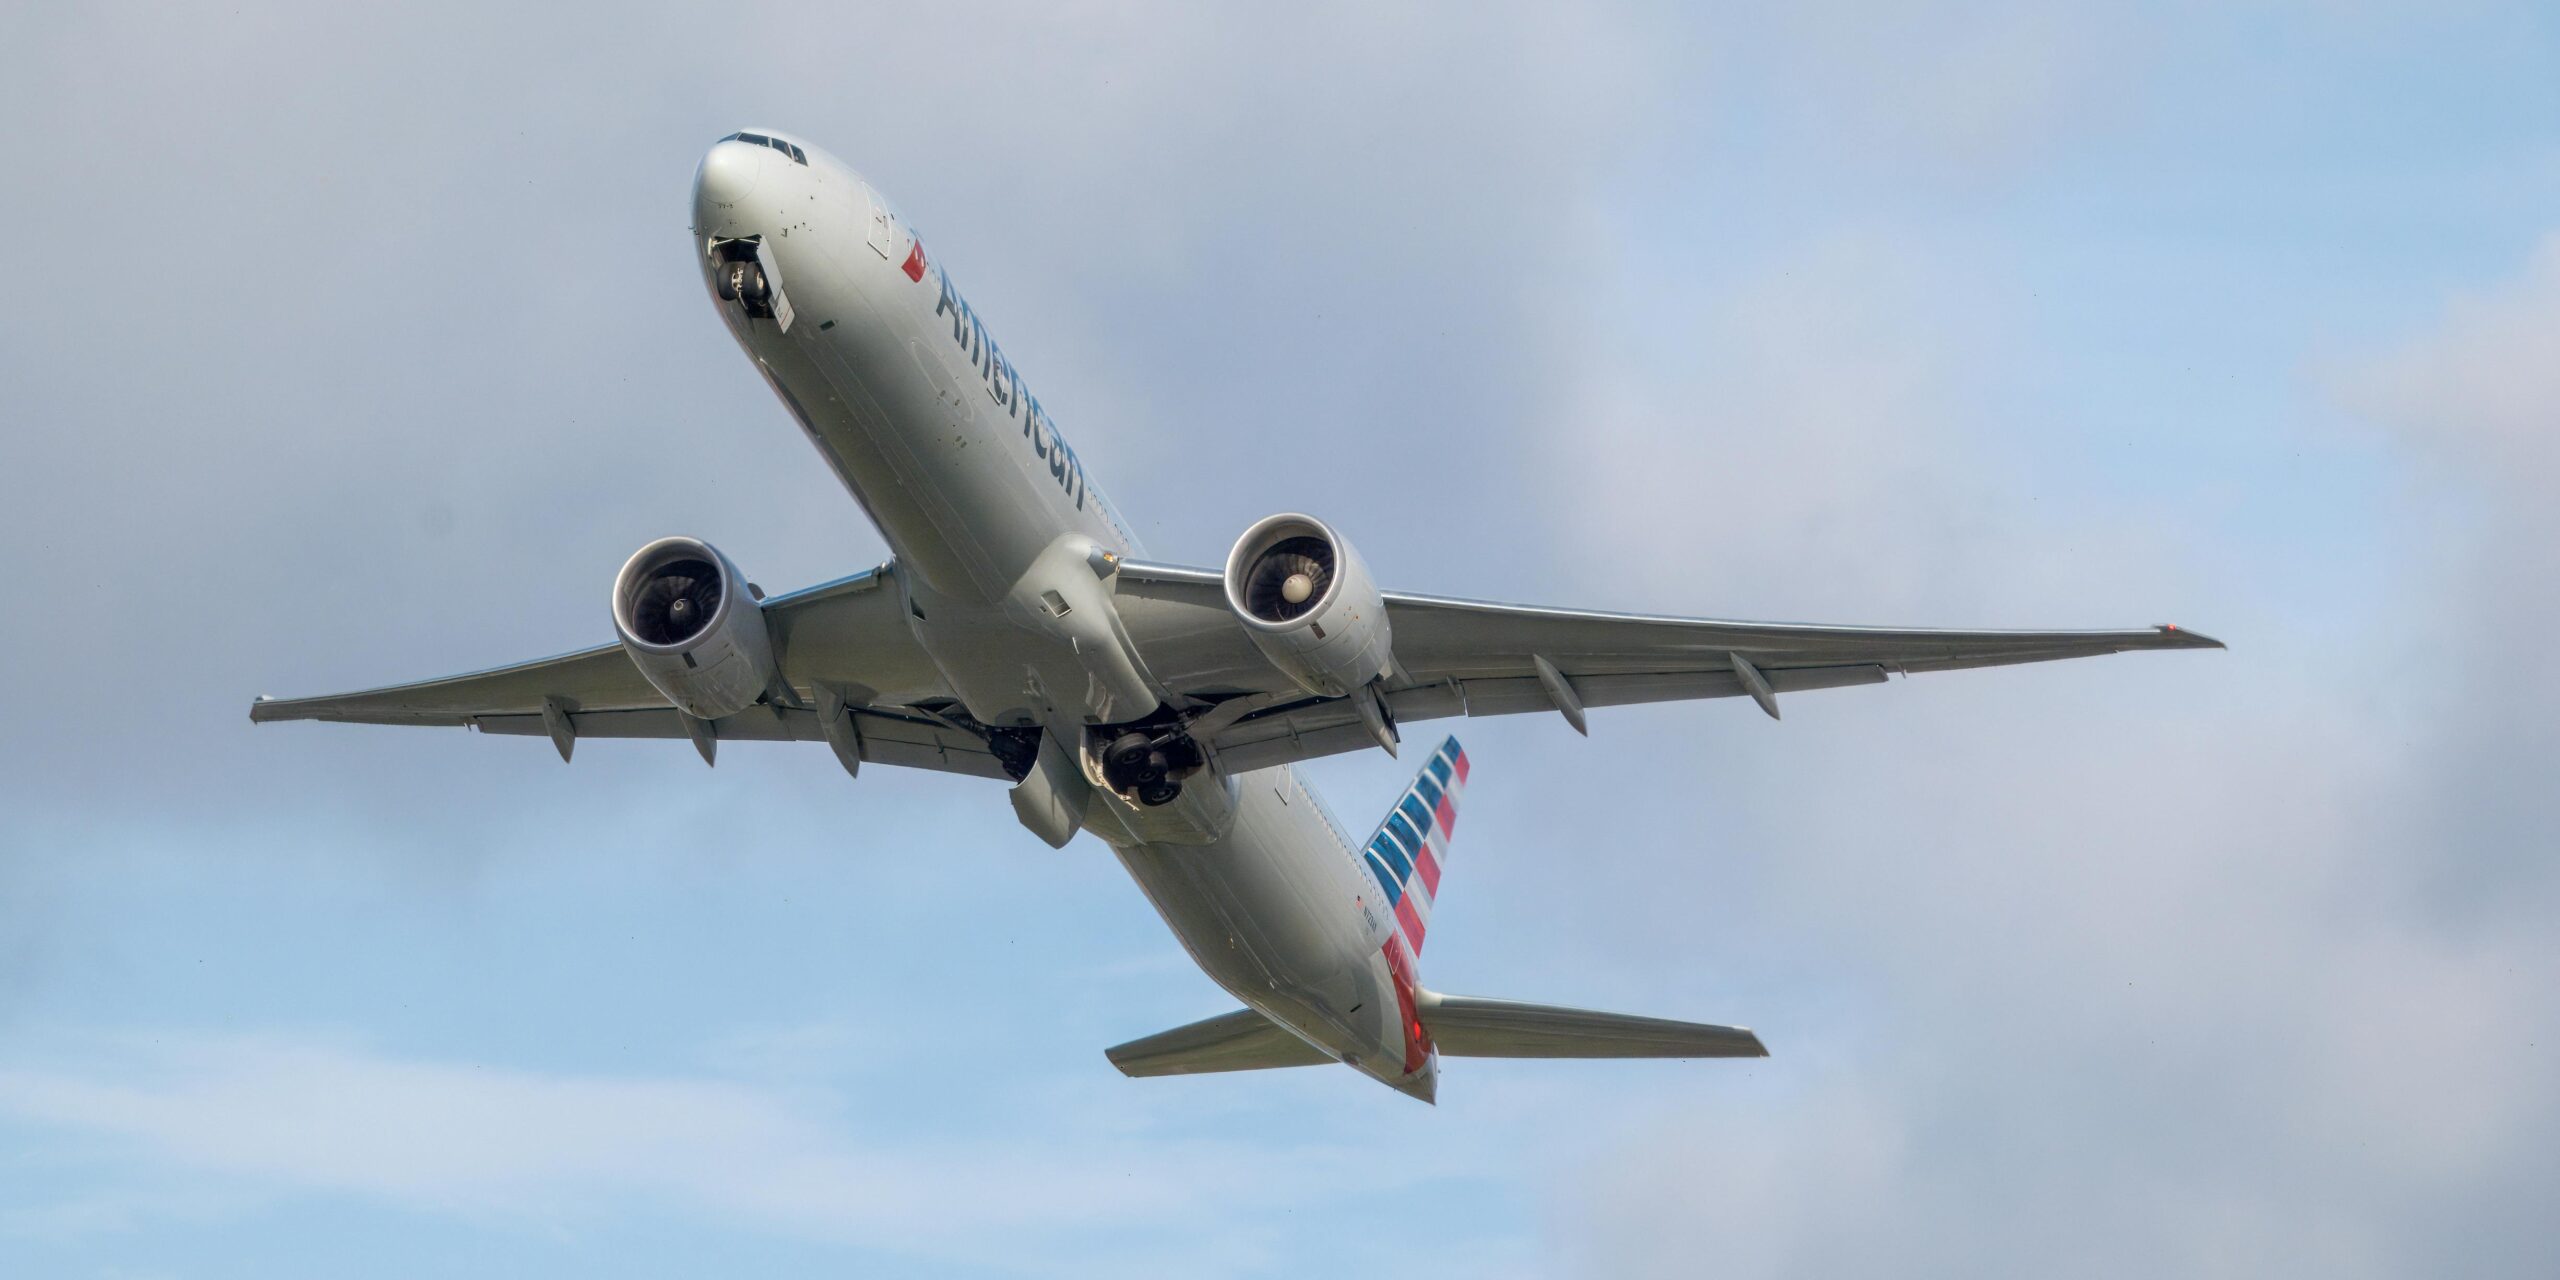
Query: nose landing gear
pixel 739 275
pixel 744 281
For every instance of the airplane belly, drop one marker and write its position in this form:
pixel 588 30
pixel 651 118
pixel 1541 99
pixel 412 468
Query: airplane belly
pixel 1269 913
pixel 915 410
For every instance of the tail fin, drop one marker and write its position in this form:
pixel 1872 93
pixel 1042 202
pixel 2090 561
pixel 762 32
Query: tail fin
pixel 1409 849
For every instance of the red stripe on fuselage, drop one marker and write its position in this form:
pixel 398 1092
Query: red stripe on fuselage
pixel 1417 1039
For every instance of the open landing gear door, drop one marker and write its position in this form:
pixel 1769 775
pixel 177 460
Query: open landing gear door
pixel 778 301
pixel 746 275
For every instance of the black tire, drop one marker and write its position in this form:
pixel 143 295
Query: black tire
pixel 725 282
pixel 1125 759
pixel 1162 791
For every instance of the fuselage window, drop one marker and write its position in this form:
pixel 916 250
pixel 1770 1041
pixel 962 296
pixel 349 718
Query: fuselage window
pixel 798 156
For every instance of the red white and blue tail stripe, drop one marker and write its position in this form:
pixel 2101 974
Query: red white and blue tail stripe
pixel 1409 849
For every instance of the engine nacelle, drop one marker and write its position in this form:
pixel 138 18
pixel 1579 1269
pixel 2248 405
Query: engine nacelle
pixel 694 628
pixel 1308 602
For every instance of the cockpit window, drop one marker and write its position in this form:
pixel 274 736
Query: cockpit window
pixel 759 140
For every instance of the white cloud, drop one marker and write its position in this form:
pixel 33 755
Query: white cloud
pixel 270 1116
pixel 2473 402
pixel 2150 968
pixel 2482 387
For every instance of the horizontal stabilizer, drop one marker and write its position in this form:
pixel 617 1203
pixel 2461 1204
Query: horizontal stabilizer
pixel 1239 1041
pixel 1473 1027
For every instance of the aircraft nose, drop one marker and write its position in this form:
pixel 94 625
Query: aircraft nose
pixel 728 173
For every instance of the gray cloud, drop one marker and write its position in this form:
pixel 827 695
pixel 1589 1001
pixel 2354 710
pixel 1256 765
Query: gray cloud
pixel 379 352
pixel 2149 961
pixel 269 1115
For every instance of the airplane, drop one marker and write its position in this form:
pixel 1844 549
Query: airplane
pixel 1018 634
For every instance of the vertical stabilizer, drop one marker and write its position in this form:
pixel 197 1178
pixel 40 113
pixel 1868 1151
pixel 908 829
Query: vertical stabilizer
pixel 1409 849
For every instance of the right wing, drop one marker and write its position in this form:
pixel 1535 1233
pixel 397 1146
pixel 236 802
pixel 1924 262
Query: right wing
pixel 1474 658
pixel 847 636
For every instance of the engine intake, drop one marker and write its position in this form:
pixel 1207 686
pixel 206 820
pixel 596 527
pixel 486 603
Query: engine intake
pixel 694 628
pixel 1306 598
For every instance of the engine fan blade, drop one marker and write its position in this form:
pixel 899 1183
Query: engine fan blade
pixel 1268 586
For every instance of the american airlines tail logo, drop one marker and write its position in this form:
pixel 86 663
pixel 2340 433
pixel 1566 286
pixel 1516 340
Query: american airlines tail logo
pixel 1409 848
pixel 915 262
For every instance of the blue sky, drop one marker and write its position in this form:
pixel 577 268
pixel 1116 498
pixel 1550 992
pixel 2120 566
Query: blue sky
pixel 354 347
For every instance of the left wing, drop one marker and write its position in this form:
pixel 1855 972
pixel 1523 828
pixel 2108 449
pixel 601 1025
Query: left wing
pixel 846 637
pixel 1470 657
pixel 1240 1041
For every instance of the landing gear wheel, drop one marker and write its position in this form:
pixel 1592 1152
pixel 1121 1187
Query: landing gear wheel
pixel 1125 760
pixel 1147 763
pixel 751 283
pixel 724 281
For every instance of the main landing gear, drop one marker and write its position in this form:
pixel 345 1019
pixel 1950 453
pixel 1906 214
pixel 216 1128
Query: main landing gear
pixel 1150 761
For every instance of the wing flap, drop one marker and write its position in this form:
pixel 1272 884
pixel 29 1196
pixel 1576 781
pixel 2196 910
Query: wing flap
pixel 1326 727
pixel 885 737
pixel 1240 1041
pixel 1475 1027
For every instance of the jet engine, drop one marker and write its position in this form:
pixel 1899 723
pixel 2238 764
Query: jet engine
pixel 1308 602
pixel 694 627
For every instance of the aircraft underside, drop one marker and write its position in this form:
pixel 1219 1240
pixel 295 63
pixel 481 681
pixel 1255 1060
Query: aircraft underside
pixel 1018 634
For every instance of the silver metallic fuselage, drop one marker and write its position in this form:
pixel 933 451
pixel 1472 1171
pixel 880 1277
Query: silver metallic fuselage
pixel 995 528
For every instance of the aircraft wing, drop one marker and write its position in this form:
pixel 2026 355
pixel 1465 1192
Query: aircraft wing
pixel 1470 657
pixel 846 637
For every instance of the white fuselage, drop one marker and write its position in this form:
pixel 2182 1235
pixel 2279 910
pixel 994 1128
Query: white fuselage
pixel 997 531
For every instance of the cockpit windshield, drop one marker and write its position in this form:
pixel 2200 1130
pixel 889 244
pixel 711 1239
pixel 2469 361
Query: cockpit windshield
pixel 759 140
